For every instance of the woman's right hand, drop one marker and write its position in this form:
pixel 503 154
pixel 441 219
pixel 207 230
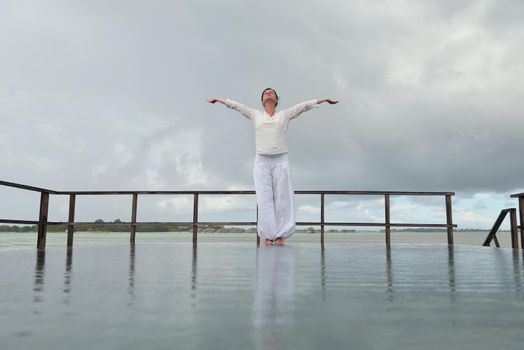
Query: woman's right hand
pixel 212 100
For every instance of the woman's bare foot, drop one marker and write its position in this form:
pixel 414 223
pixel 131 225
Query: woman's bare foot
pixel 279 241
pixel 268 242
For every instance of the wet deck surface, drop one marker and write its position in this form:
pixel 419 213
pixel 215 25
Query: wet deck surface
pixel 233 295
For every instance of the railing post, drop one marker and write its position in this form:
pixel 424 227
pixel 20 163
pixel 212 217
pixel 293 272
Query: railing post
pixel 133 219
pixel 322 219
pixel 195 217
pixel 387 218
pixel 258 237
pixel 449 219
pixel 42 220
pixel 521 215
pixel 493 232
pixel 513 227
pixel 70 225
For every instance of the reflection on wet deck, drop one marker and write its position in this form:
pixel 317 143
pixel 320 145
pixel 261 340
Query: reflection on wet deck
pixel 240 296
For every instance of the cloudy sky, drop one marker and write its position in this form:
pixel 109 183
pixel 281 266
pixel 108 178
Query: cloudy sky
pixel 111 95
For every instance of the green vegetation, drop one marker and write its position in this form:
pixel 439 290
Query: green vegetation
pixel 101 226
pixel 15 228
pixel 434 229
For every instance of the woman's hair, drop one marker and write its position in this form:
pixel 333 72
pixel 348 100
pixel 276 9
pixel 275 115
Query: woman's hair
pixel 262 96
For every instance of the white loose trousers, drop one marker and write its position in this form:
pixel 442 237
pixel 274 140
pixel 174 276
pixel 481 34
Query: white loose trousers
pixel 274 195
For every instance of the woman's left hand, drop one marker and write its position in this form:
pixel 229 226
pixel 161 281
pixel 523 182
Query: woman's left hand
pixel 328 100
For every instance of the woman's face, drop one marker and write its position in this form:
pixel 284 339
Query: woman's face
pixel 269 95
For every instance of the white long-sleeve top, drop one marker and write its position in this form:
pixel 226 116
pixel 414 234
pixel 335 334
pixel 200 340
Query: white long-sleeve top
pixel 270 132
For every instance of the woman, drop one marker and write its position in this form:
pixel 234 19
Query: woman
pixel 271 169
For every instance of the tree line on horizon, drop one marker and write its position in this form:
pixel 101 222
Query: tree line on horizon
pixel 99 226
pixel 114 226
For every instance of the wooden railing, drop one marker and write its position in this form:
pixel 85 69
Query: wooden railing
pixel 520 197
pixel 42 221
pixel 492 235
pixel 514 227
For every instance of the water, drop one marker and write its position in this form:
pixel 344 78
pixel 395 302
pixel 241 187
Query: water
pixel 22 240
pixel 233 295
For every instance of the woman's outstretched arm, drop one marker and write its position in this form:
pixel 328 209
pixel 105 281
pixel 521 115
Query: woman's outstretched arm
pixel 246 111
pixel 299 108
pixel 325 99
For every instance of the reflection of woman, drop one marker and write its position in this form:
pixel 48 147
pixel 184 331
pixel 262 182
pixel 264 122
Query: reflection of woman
pixel 273 300
pixel 271 169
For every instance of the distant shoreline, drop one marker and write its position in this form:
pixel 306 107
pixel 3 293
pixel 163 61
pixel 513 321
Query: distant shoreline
pixel 115 227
